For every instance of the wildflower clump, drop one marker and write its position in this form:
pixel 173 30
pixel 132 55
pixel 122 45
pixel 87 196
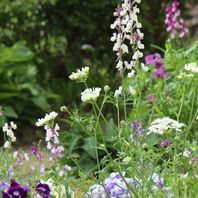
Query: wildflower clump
pixel 114 186
pixel 161 125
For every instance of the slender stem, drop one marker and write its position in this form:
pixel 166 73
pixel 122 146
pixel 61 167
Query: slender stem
pixel 182 102
pixel 124 98
pixel 95 138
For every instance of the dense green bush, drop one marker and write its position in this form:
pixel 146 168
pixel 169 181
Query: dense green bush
pixel 21 96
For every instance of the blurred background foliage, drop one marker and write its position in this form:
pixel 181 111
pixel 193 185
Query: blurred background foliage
pixel 42 42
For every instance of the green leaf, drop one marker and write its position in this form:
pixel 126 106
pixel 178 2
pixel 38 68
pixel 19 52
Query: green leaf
pixel 10 112
pixel 89 146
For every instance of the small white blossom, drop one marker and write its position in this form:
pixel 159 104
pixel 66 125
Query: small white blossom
pixel 47 119
pixel 144 67
pixel 26 157
pixel 188 152
pixel 131 74
pixel 90 95
pixel 161 125
pixel 7 144
pixel 131 90
pixel 118 92
pixel 15 154
pixel 80 75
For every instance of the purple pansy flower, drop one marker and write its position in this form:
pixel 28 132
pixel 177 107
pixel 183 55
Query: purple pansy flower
pixel 15 191
pixel 43 190
pixel 34 149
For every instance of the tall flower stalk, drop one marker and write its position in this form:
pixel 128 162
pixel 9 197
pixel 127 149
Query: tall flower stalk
pixel 174 22
pixel 127 40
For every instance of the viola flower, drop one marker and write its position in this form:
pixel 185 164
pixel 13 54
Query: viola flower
pixel 15 191
pixel 174 22
pixel 151 98
pixel 39 156
pixel 34 150
pixel 4 185
pixel 11 171
pixel 166 143
pixel 43 190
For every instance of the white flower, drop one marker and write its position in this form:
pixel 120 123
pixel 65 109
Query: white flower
pixel 144 67
pixel 7 144
pixel 118 92
pixel 5 127
pixel 47 119
pixel 15 154
pixel 13 125
pixel 188 152
pixel 131 74
pixel 90 95
pixel 185 76
pixel 131 90
pixel 119 65
pixel 161 125
pixel 80 75
pixel 8 129
pixel 26 157
pixel 137 55
pixel 125 49
pixel 192 67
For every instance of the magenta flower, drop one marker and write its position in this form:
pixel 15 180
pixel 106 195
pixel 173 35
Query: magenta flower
pixel 157 61
pixel 174 22
pixel 39 156
pixel 34 150
pixel 15 191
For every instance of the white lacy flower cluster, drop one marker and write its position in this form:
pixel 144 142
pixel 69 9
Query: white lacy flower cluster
pixel 90 95
pixel 128 34
pixel 47 120
pixel 8 129
pixel 161 125
pixel 192 68
pixel 80 75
